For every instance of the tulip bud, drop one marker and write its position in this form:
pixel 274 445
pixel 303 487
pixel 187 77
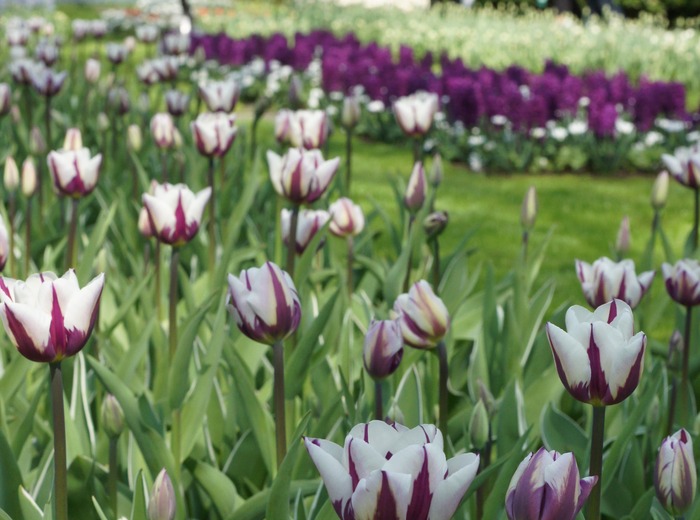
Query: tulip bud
pixel 15 114
pixel 383 348
pixel 422 315
pixel 73 140
pixel 486 396
pixel 29 180
pixel 479 426
pixel 118 100
pixel 11 177
pixel 417 188
pixel 659 192
pixel 4 244
pixel 177 139
pixel 102 121
pixel 528 214
pixel 309 223
pixel 683 281
pixel 144 224
pixel 415 113
pixel 350 115
pixel 296 92
pixel 112 417
pixel 675 349
pixel 622 243
pixel 37 144
pixel 675 477
pixel 5 99
pixel 163 130
pixel 435 223
pixel 347 218
pixel 436 171
pixel 654 412
pixel 161 505
pixel 605 279
pixel 261 106
pixel 134 140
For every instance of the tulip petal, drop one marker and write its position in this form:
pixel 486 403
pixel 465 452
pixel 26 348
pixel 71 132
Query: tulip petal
pixel 461 471
pixel 161 214
pixel 571 360
pixel 334 475
pixel 382 496
pixel 80 314
pixel 29 330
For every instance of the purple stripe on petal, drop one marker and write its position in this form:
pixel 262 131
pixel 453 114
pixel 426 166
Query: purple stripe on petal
pixel 386 502
pixel 57 330
pixel 421 496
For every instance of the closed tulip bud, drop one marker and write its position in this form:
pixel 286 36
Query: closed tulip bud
pixel 654 412
pixel 102 121
pixel 214 133
pixel 436 171
pixel 347 218
pixel 415 113
pixel 118 100
pixel 4 244
pixel 675 349
pixel 177 102
pixel 383 348
pixel 134 139
pixel 683 281
pixel 5 99
pixel 675 477
pixel 264 303
pixel 295 93
pixel 144 224
pixel 309 129
pixel 606 280
pixel 112 416
pixel 175 212
pixel 162 503
pixel 220 96
pixel 261 106
pixel 11 176
pixel 49 318
pixel 486 396
pixel 389 471
pixel 163 130
pixel 528 213
pixel 37 144
pixel 479 426
pixel 29 181
pixel 599 359
pixel 435 223
pixel 73 140
pixel 547 485
pixel 350 115
pixel 130 44
pixel 659 192
pixel 309 223
pixel 283 125
pixel 684 166
pixel 301 176
pixel 622 243
pixel 74 173
pixel 177 139
pixel 422 315
pixel 417 189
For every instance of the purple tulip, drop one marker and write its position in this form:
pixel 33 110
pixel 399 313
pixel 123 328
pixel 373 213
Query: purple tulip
pixel 423 317
pixel 175 212
pixel 383 348
pixel 598 359
pixel 547 486
pixel 301 176
pixel 606 280
pixel 675 476
pixel 683 281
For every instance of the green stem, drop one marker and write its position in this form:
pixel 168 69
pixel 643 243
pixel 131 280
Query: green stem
pixel 697 219
pixel 28 237
pixel 436 264
pixel 378 405
pixel 72 231
pixel 113 474
pixel 280 422
pixel 60 491
pixel 254 137
pixel 292 240
pixel 212 221
pixel 407 279
pixel 351 256
pixel 47 120
pixel 28 107
pixel 11 255
pixel 596 462
pixel 164 166
pixel 222 175
pixel 417 149
pixel 172 317
pixel 683 393
pixel 441 351
pixel 157 261
pixel 348 161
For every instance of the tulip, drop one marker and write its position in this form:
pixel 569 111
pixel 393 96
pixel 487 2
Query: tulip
pixel 546 486
pixel 435 223
pixel 5 99
pixel 422 315
pixel 22 70
pixel 176 44
pixel 683 281
pixel 47 53
pixel 598 359
pixel 4 244
pixel 116 53
pixel 684 166
pixel 350 115
pixel 606 280
pixel 310 222
pixel 415 113
pixel 659 192
pixel 144 224
pixel 47 82
pixel 283 125
pixel 383 349
pixel 17 36
pixel 112 416
pixel 163 130
pixel 162 503
pixel 175 212
pixel 118 100
pixel 479 427
pixel 97 28
pixel 309 129
pixel 528 213
pixel 147 73
pixel 347 218
pixel 37 143
pixel 166 68
pixel 134 139
pixel 49 318
pixel 220 96
pixel 389 471
pixel 622 242
pixel 29 177
pixel 177 102
pixel 11 175
pixel 417 189
pixel 74 173
pixel 147 33
pixel 80 29
pixel 675 477
pixel 214 133
pixel 73 140
pixel 301 176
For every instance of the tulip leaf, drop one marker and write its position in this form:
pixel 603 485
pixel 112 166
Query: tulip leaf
pixel 98 508
pixel 29 508
pixel 393 285
pixel 25 427
pixel 217 485
pixel 138 505
pixel 278 505
pixel 255 507
pixel 299 362
pixel 10 478
pixel 99 232
pixel 510 422
pixel 560 432
pixel 4 515
pixel 303 267
pixel 127 304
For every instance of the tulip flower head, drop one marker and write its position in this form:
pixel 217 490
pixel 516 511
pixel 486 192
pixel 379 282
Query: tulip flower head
pixel 547 486
pixel 46 52
pixel 116 53
pixel 417 189
pixel 11 174
pixel 599 359
pixel 5 99
pixel 659 192
pixel 162 503
pixel 22 69
pixel 283 126
pixel 675 476
pixel 309 223
pixel 163 130
pixel 423 317
pixel 4 244
pixel 528 213
pixel 147 33
pixel 49 318
pixel 347 218
pixel 176 102
pixel 684 166
pixel 350 114
pixel 415 113
pixel 144 224
pixel 47 82
pixel 166 68
pixel 683 281
pixel 147 73
pixel 112 417
pixel 390 471
pixel 73 140
pixel 175 212
pixel 264 303
pixel 134 139
pixel 176 44
pixel 301 176
pixel 383 348
pixel 435 223
pixel 605 279
pixel 74 173
pixel 624 237
pixel 29 177
pixel 220 96
pixel 308 129
pixel 214 133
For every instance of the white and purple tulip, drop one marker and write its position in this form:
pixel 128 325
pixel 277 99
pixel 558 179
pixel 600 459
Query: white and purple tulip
pixel 684 166
pixel 74 172
pixel 605 280
pixel 301 176
pixel 175 212
pixel 264 303
pixel 116 53
pixel 49 318
pixel 390 471
pixel 599 359
pixel 415 113
pixel 47 82
pixel 347 218
pixel 283 125
pixel 177 102
pixel 163 130
pixel 675 476
pixel 683 281
pixel 214 133
pixel 309 222
pixel 383 348
pixel 417 189
pixel 308 129
pixel 5 99
pixel 423 317
pixel 147 33
pixel 4 244
pixel 547 486
pixel 220 96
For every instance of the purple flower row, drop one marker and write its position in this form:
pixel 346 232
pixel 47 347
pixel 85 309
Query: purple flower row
pixel 527 99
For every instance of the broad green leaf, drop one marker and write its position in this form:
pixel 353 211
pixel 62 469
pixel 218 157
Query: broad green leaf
pixel 256 506
pixel 559 432
pixel 100 513
pixel 138 506
pixel 28 507
pixel 218 486
pixel 10 479
pixel 99 232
